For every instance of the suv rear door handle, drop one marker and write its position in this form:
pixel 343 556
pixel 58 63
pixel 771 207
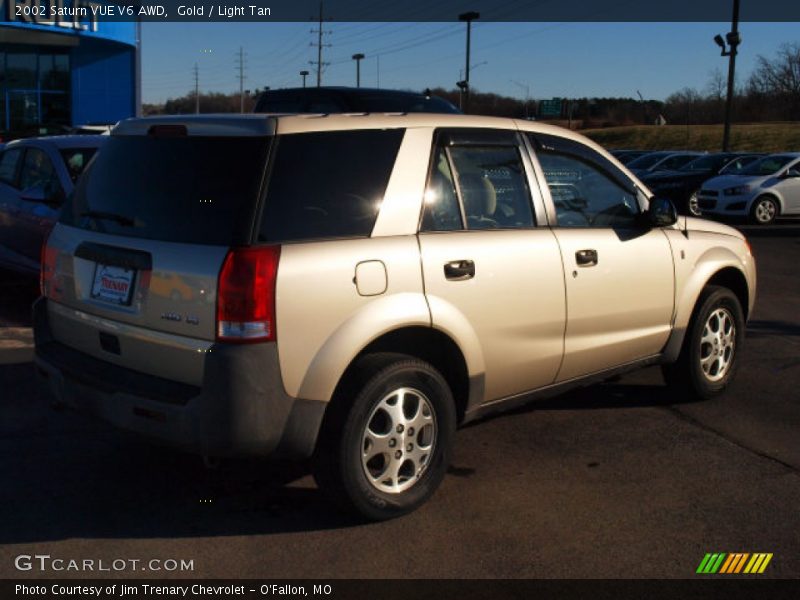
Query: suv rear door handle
pixel 586 258
pixel 459 270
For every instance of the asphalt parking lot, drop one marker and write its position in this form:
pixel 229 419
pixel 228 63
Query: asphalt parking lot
pixel 617 480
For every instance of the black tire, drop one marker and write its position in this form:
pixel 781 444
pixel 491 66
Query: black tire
pixel 338 466
pixel 765 210
pixel 687 378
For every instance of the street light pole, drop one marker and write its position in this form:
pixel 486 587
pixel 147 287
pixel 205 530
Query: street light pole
pixel 734 39
pixel 357 58
pixel 304 74
pixel 469 17
pixel 527 89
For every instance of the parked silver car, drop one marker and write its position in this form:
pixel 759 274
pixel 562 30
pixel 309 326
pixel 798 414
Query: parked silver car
pixel 761 191
pixel 351 288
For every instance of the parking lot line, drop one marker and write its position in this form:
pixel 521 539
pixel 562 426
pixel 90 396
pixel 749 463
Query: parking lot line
pixel 16 345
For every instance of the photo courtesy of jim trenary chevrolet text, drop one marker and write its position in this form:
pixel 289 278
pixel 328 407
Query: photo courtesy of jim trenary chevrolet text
pixel 351 299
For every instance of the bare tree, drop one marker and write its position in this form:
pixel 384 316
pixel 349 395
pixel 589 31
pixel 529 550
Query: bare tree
pixel 780 75
pixel 716 88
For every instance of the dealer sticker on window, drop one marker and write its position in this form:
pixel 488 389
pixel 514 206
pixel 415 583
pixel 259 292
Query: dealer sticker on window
pixel 113 284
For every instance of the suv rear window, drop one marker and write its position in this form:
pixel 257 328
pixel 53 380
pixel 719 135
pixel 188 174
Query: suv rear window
pixel 190 189
pixel 329 184
pixel 76 160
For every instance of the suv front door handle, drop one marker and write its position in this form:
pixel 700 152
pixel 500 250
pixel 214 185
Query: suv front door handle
pixel 459 270
pixel 586 258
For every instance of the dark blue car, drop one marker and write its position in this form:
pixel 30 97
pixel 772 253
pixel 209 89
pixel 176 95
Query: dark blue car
pixel 36 176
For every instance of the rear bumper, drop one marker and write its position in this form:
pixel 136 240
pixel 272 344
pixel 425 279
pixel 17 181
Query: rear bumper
pixel 241 409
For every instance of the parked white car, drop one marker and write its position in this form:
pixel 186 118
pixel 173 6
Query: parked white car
pixel 764 190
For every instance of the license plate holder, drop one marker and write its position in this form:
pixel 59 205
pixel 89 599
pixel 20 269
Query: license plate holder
pixel 112 284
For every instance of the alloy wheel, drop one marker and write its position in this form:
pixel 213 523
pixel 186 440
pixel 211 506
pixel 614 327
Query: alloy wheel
pixel 717 344
pixel 398 440
pixel 765 211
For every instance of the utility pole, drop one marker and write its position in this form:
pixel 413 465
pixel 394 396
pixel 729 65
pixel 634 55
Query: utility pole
pixel 378 72
pixel 358 57
pixel 304 74
pixel 196 89
pixel 241 79
pixel 319 31
pixel 469 17
pixel 734 39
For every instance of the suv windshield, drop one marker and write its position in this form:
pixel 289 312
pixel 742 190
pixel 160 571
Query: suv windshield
pixel 707 163
pixel 76 160
pixel 767 165
pixel 190 189
pixel 335 100
pixel 404 103
pixel 647 161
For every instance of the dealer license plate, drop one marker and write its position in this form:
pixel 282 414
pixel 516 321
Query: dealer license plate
pixel 113 284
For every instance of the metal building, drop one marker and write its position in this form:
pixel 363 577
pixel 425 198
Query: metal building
pixel 63 71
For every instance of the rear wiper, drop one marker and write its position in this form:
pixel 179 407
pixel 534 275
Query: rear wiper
pixel 109 216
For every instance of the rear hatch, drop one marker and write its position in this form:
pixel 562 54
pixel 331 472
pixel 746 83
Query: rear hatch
pixel 131 268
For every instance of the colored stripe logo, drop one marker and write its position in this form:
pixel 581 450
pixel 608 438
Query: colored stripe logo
pixel 734 563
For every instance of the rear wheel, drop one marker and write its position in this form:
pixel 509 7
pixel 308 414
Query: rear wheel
pixel 710 353
pixel 385 445
pixel 765 210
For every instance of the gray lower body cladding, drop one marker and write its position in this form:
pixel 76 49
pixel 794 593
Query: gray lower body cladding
pixel 241 409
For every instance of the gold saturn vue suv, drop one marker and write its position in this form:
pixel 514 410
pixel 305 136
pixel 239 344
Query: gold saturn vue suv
pixel 351 288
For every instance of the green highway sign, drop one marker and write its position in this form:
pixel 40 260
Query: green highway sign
pixel 550 108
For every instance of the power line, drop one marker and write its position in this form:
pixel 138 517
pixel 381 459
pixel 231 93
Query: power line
pixel 413 42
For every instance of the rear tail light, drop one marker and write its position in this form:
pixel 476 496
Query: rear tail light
pixel 47 268
pixel 246 295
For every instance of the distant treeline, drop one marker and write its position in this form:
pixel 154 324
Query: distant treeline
pixel 770 93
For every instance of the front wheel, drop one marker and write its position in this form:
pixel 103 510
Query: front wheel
pixel 764 211
pixel 693 205
pixel 710 353
pixel 386 443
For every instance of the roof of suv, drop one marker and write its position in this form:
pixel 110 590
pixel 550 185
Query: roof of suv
pixel 262 124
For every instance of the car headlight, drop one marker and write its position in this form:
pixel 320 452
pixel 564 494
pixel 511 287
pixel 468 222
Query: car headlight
pixel 739 190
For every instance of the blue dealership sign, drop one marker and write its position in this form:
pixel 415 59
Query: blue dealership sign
pixel 68 17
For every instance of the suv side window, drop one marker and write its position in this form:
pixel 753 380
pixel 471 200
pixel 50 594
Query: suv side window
pixel 328 184
pixel 38 172
pixel 9 163
pixel 490 182
pixel 587 189
pixel 442 211
pixel 492 186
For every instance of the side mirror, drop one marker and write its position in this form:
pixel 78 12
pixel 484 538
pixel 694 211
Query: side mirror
pixel 792 173
pixel 661 213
